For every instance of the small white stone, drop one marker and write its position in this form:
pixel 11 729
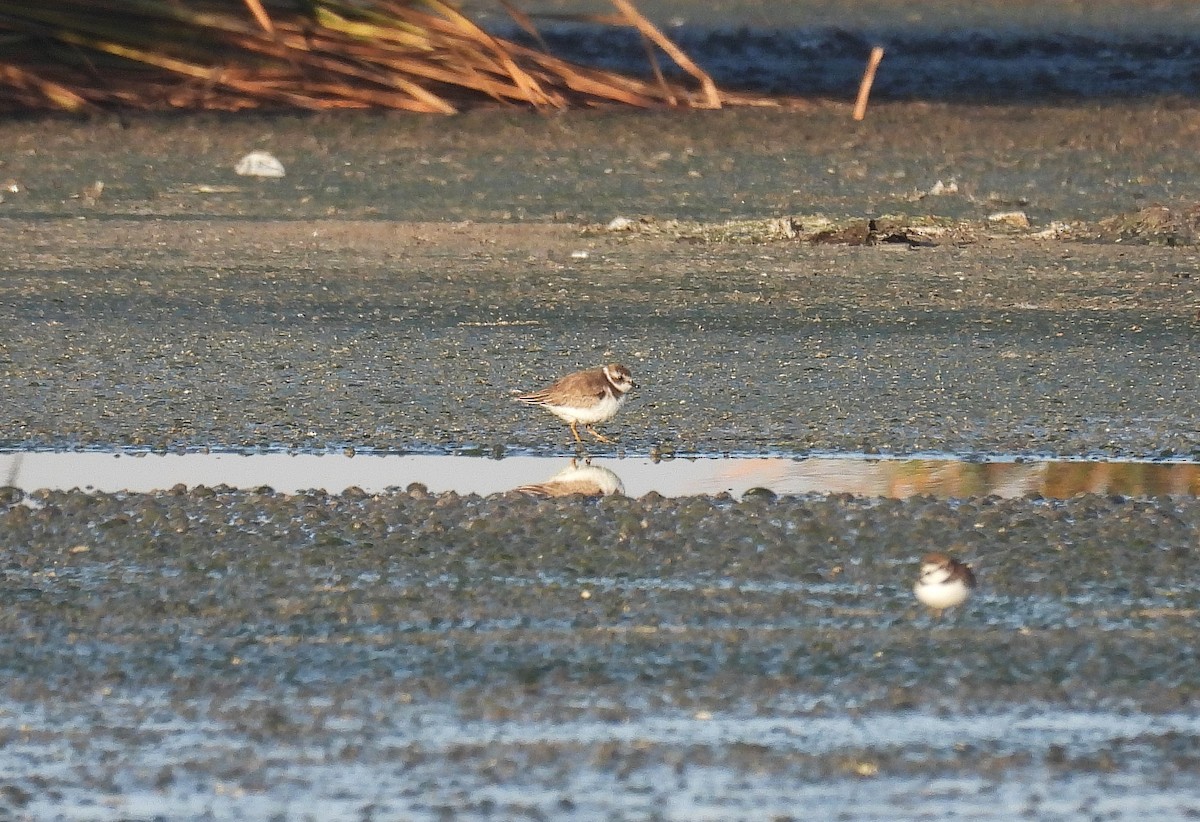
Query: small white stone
pixel 620 224
pixel 259 164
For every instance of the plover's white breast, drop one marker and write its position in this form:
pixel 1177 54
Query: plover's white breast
pixel 942 595
pixel 600 411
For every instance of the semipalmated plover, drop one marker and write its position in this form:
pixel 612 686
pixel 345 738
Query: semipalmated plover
pixel 944 582
pixel 585 397
pixel 587 479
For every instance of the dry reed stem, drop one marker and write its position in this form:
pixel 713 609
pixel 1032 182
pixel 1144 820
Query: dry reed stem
pixel 710 97
pixel 868 80
pixel 525 22
pixel 34 90
pixel 260 14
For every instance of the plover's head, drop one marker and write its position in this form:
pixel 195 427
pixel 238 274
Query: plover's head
pixel 936 568
pixel 620 377
pixel 942 569
pixel 944 583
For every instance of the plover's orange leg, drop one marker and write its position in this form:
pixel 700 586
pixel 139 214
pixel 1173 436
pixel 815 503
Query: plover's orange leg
pixel 597 434
pixel 575 431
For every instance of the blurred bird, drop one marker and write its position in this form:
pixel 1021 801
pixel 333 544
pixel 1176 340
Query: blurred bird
pixel 944 582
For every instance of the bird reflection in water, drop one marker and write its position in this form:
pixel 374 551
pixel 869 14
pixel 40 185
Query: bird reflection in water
pixel 586 479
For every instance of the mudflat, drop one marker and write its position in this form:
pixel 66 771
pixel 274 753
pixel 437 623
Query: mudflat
pixel 407 277
pixel 1027 287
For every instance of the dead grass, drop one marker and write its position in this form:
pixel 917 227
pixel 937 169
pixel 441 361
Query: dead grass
pixel 411 55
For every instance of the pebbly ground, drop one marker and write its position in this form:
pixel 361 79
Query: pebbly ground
pixel 412 656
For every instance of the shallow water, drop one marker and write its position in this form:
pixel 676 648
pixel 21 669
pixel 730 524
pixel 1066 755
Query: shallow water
pixel 934 50
pixel 873 476
pixel 926 63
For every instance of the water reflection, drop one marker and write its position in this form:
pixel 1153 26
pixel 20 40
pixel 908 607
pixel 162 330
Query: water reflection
pixel 849 474
pixel 959 478
pixel 586 479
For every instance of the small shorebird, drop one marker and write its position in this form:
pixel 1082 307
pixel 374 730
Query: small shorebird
pixel 587 479
pixel 585 397
pixel 944 582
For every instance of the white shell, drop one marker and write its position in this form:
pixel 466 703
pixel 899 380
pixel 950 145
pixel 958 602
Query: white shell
pixel 259 164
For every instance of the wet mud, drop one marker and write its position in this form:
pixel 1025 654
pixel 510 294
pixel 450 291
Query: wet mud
pixel 410 655
pixel 416 338
pixel 212 653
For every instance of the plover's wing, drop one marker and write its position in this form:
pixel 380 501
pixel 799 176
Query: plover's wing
pixel 563 489
pixel 581 388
